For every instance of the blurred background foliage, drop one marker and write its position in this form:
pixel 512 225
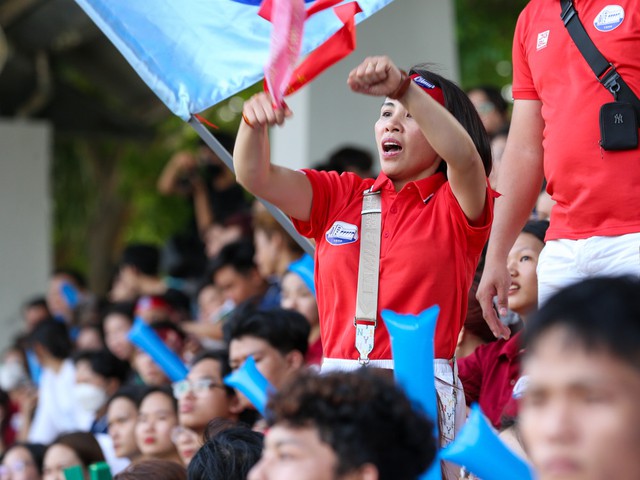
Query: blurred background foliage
pixel 484 32
pixel 105 196
pixel 104 187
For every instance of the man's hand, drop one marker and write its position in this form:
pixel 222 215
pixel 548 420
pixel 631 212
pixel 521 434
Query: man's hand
pixel 495 281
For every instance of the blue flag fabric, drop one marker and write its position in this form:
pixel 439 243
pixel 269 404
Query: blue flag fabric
pixel 196 53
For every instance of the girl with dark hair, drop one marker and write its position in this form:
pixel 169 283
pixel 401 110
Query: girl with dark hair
pixel 436 211
pixel 154 468
pixel 23 461
pixel 491 374
pixel 157 416
pixel 69 450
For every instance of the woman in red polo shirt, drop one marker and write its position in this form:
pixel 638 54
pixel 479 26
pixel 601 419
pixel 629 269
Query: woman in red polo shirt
pixel 436 207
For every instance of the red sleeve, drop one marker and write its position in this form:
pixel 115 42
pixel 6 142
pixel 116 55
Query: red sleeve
pixel 523 87
pixel 477 232
pixel 331 191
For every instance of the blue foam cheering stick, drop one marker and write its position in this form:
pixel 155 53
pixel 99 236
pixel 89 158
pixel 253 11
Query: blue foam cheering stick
pixel 479 449
pixel 252 384
pixel 412 347
pixel 70 294
pixel 143 336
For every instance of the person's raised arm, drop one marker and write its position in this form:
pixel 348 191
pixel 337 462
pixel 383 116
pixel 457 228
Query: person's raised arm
pixel 202 207
pixel 379 76
pixel 453 144
pixel 287 189
pixel 519 182
pixel 181 163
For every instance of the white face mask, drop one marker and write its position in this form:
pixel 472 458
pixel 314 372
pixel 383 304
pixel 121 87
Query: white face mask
pixel 89 397
pixel 12 375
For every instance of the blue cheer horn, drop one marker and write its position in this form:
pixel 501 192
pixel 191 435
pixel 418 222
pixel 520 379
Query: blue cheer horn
pixel 252 384
pixel 413 353
pixel 70 294
pixel 412 347
pixel 143 336
pixel 479 449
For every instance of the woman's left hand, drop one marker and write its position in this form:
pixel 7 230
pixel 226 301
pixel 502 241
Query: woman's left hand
pixel 377 76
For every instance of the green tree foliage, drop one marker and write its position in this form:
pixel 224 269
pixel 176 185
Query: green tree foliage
pixel 485 33
pixel 105 195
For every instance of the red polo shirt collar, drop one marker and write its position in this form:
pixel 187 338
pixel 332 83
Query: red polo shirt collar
pixel 512 348
pixel 425 186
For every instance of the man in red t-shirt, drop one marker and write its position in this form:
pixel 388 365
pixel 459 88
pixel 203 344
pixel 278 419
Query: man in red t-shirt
pixel 595 222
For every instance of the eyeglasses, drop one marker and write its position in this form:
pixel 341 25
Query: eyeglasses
pixel 198 387
pixel 181 433
pixel 485 107
pixel 15 467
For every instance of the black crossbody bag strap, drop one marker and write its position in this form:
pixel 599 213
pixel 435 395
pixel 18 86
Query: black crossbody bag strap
pixel 603 69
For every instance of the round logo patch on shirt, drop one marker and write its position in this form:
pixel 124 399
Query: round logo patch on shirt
pixel 342 233
pixel 609 18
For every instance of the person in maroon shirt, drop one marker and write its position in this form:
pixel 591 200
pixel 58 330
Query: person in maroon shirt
pixel 491 372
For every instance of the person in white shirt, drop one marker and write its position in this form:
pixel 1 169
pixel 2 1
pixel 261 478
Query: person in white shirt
pixel 55 410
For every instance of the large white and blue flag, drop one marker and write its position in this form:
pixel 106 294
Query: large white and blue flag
pixel 196 53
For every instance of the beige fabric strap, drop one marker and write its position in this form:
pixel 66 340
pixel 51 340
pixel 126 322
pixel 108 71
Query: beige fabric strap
pixel 365 319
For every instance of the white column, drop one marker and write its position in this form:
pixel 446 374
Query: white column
pixel 25 219
pixel 327 115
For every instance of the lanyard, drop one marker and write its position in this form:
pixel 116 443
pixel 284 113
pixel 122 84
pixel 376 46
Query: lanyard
pixel 366 318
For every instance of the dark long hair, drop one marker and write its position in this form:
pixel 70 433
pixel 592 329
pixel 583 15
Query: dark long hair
pixel 228 454
pixel 36 451
pixel 153 468
pixel 459 105
pixel 84 444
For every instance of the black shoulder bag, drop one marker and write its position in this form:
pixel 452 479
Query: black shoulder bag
pixel 619 119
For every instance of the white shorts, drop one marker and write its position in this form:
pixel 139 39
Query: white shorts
pixel 565 262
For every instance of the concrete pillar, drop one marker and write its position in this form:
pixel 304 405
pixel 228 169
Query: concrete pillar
pixel 327 115
pixel 25 219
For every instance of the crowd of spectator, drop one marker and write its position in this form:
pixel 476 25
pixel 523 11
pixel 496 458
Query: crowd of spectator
pixel 554 367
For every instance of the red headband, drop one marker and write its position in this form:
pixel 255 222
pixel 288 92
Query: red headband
pixel 430 88
pixel 149 302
